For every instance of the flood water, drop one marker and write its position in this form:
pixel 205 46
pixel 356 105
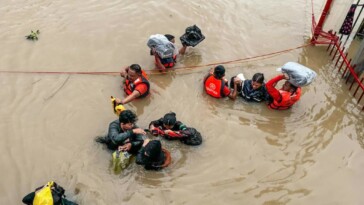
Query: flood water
pixel 310 154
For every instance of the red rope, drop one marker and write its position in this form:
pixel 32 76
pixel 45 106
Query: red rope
pixel 156 71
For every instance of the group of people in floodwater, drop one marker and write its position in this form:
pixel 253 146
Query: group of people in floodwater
pixel 124 136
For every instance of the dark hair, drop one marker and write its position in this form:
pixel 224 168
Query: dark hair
pixel 169 118
pixel 219 71
pixel 127 116
pixel 169 37
pixel 153 149
pixel 258 77
pixel 136 68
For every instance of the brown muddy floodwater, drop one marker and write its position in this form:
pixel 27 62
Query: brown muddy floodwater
pixel 310 154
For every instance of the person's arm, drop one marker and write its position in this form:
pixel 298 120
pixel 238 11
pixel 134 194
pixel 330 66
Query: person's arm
pixel 183 50
pixel 140 158
pixel 134 141
pixel 115 136
pixel 272 91
pixel 233 94
pixel 131 97
pixel 137 140
pixel 158 62
pixel 180 126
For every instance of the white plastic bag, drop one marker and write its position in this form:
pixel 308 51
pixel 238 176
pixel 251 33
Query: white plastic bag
pixel 162 45
pixel 299 75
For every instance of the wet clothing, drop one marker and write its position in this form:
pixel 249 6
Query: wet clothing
pixel 167 62
pixel 117 137
pixel 141 85
pixel 159 124
pixel 216 87
pixel 149 163
pixel 281 100
pixel 246 91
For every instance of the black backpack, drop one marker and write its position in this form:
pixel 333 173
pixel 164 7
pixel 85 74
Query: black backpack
pixel 192 36
pixel 191 137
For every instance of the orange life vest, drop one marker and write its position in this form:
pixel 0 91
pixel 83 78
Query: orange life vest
pixel 287 101
pixel 214 87
pixel 168 159
pixel 129 86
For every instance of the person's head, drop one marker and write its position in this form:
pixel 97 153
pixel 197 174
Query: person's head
pixel 169 120
pixel 127 118
pixel 134 72
pixel 153 149
pixel 219 71
pixel 289 87
pixel 170 37
pixel 257 80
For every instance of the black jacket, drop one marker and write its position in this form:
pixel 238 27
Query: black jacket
pixel 117 137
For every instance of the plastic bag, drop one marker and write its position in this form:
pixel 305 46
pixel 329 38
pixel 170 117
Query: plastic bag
pixel 162 45
pixel 120 160
pixel 299 75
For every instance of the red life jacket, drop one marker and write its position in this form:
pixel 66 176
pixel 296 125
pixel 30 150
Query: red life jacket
pixel 214 87
pixel 287 100
pixel 129 86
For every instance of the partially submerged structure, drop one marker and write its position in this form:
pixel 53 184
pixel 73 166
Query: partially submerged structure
pixel 341 35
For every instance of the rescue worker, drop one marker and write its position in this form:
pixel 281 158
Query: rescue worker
pixel 164 63
pixel 123 134
pixel 250 90
pixel 285 97
pixel 49 194
pixel 152 156
pixel 216 85
pixel 136 84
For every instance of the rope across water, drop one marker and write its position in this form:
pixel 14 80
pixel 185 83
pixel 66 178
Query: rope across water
pixel 156 72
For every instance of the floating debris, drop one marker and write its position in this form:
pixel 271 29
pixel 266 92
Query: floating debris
pixel 33 35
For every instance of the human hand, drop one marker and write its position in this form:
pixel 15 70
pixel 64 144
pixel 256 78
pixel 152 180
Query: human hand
pixel 167 131
pixel 118 101
pixel 125 147
pixel 157 131
pixel 139 131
